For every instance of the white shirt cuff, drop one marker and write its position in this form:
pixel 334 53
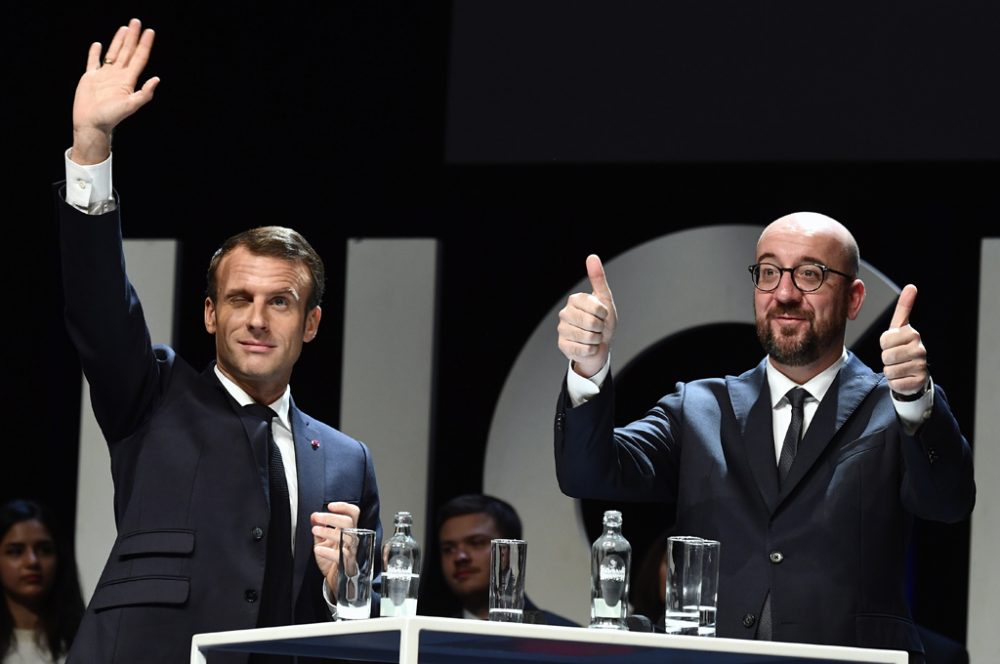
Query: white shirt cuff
pixel 87 185
pixel 913 413
pixel 332 605
pixel 580 389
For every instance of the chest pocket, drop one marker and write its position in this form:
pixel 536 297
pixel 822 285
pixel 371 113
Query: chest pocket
pixel 869 443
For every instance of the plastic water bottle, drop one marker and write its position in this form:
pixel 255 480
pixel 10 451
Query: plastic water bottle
pixel 400 569
pixel 610 563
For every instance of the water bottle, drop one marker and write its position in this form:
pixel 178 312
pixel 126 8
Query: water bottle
pixel 611 558
pixel 400 569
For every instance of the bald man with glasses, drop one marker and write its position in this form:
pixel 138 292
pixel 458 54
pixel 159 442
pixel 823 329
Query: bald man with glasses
pixel 809 468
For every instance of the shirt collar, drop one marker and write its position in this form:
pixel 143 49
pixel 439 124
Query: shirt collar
pixel 817 386
pixel 281 406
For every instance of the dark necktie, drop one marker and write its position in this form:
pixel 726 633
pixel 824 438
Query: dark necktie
pixel 797 397
pixel 276 595
pixel 790 446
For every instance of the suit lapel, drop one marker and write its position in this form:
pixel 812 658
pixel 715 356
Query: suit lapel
pixel 751 401
pixel 309 464
pixel 851 386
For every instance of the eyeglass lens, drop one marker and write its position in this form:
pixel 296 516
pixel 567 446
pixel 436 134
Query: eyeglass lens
pixel 807 277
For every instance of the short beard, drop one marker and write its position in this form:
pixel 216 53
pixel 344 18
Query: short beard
pixel 803 352
pixel 799 353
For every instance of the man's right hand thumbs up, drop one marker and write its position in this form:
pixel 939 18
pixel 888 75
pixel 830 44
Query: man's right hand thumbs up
pixel 587 323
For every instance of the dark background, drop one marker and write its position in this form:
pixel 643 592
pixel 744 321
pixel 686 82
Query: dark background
pixel 523 137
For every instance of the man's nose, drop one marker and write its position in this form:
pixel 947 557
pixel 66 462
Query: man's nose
pixel 461 555
pixel 787 291
pixel 258 315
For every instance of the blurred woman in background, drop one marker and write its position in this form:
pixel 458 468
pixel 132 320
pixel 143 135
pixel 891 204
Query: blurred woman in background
pixel 42 606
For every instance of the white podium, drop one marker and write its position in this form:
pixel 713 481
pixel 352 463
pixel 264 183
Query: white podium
pixel 452 641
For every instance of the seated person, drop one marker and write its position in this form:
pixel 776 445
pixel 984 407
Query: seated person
pixel 649 583
pixel 465 526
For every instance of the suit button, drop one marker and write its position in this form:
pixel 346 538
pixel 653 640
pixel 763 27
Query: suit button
pixel 749 620
pixel 250 596
pixel 257 533
pixel 776 557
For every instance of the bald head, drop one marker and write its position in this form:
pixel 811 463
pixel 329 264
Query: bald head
pixel 810 226
pixel 803 330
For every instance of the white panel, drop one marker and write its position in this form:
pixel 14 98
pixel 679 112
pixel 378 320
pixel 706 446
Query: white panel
pixel 151 267
pixel 984 573
pixel 661 288
pixel 388 366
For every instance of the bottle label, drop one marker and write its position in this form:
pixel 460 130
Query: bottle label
pixel 613 580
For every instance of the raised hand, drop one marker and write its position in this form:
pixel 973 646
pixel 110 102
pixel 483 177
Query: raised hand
pixel 903 354
pixel 106 93
pixel 587 323
pixel 326 527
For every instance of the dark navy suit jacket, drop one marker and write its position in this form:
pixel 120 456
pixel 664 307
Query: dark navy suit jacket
pixel 829 545
pixel 190 505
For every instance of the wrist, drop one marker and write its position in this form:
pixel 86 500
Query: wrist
pixel 587 369
pixel 914 396
pixel 90 146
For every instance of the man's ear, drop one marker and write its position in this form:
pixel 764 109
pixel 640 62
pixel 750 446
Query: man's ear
pixel 209 315
pixel 312 324
pixel 855 298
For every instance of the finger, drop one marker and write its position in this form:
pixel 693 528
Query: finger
pixel 586 313
pixel 94 57
pixel 115 47
pixel 598 280
pixel 904 306
pixel 326 536
pixel 326 553
pixel 144 95
pixel 346 509
pixel 129 42
pixel 141 55
pixel 902 352
pixel 581 306
pixel 331 521
pixel 908 384
pixel 577 351
pixel 911 368
pixel 579 335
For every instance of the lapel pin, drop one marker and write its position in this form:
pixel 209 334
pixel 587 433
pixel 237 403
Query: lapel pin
pixel 315 444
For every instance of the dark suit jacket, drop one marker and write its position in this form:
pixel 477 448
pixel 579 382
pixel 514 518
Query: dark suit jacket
pixel 190 505
pixel 829 545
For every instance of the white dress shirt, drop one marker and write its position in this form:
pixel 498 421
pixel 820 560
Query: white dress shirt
pixel 281 429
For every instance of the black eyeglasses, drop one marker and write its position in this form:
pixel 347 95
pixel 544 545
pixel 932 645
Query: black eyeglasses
pixel 807 277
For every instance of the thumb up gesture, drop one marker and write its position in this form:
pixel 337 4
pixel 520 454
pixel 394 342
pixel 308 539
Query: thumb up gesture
pixel 903 354
pixel 587 323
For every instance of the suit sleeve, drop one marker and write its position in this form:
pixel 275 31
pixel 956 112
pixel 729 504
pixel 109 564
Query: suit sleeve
pixel 938 482
pixel 370 518
pixel 637 462
pixel 105 321
pixel 370 511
